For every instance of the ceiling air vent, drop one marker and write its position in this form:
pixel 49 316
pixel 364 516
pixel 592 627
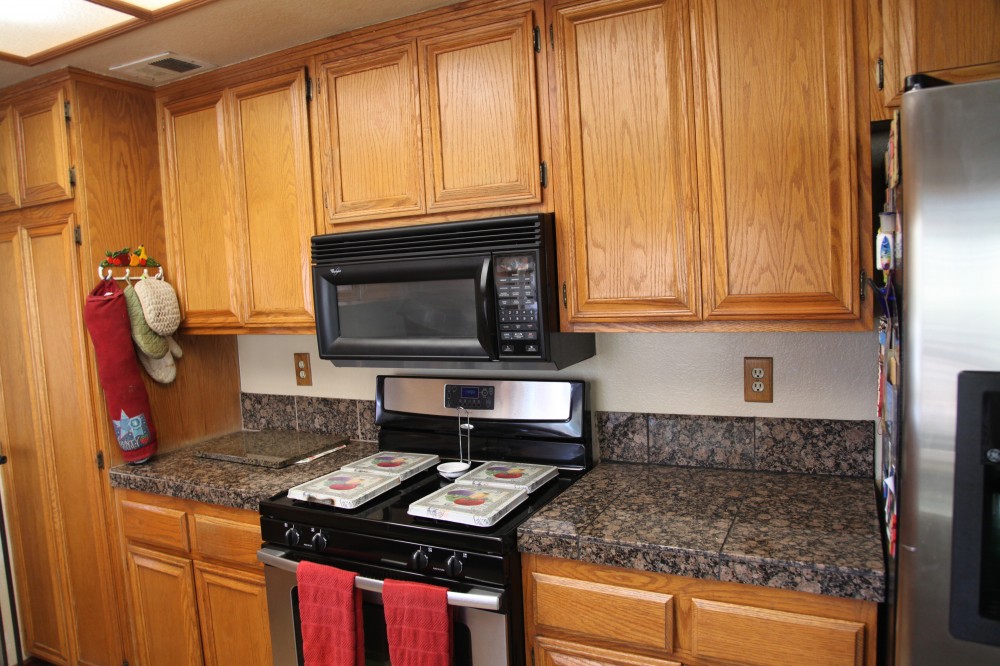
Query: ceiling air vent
pixel 161 68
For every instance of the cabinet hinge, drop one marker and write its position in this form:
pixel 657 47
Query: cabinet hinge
pixel 862 283
pixel 100 464
pixel 72 176
pixel 880 73
pixel 309 89
pixel 552 36
pixel 543 174
pixel 564 296
pixel 66 112
pixel 124 662
pixel 536 36
pixel 77 235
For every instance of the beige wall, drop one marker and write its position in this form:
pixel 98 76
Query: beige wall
pixel 816 375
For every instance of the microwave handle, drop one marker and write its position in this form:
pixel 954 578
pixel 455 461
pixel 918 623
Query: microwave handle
pixel 482 599
pixel 486 331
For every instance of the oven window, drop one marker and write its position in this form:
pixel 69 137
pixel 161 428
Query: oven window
pixel 430 308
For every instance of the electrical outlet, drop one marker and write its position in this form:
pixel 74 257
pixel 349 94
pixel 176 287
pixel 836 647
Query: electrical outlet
pixel 303 373
pixel 758 379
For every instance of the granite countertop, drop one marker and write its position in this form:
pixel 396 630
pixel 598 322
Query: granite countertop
pixel 810 533
pixel 184 474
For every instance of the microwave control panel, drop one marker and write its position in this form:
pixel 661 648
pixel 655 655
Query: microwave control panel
pixel 516 280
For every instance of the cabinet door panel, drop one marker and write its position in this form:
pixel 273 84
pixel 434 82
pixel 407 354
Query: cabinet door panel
pixel 780 184
pixel 930 35
pixel 766 637
pixel 42 147
pixel 274 195
pixel 201 233
pixel 70 433
pixel 163 606
pixel 370 136
pixel 627 164
pixel 26 481
pixel 481 116
pixel 9 196
pixel 234 620
pixel 551 652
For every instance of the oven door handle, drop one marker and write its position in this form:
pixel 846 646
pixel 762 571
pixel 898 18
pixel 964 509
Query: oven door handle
pixel 478 598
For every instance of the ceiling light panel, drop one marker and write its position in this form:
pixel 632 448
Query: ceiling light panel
pixel 29 27
pixel 151 5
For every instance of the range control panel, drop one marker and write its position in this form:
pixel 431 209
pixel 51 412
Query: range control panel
pixel 467 396
pixel 516 281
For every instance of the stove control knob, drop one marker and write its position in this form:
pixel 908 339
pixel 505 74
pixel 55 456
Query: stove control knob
pixel 453 566
pixel 292 536
pixel 319 541
pixel 419 561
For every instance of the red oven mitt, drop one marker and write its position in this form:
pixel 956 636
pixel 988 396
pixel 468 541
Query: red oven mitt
pixel 418 623
pixel 106 316
pixel 330 616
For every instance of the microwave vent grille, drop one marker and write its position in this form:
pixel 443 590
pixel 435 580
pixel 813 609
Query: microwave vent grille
pixel 432 240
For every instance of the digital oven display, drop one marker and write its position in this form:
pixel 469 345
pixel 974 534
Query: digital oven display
pixel 470 392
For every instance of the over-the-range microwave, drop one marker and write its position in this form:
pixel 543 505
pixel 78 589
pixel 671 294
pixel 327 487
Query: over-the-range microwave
pixel 475 294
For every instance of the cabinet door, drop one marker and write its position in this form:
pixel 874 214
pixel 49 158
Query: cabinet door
pixel 779 176
pixel 164 608
pixel 369 136
pixel 42 148
pixel 234 620
pixel 202 242
pixel 930 35
pixel 8 161
pixel 480 116
pixel 551 652
pixel 627 160
pixel 274 211
pixel 70 437
pixel 28 491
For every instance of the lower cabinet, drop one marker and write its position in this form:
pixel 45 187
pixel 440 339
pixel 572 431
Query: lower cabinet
pixel 577 613
pixel 196 589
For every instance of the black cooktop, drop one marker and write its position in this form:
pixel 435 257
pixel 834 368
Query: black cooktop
pixel 386 516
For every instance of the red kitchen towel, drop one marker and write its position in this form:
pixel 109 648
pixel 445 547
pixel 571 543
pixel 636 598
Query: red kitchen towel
pixel 418 623
pixel 330 616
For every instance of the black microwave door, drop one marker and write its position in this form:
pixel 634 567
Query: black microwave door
pixel 418 310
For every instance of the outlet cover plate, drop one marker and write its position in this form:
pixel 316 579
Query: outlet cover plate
pixel 758 379
pixel 303 373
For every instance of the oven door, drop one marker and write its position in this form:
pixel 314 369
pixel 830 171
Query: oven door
pixel 418 310
pixel 479 631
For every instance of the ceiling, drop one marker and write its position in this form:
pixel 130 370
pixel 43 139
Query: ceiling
pixel 225 32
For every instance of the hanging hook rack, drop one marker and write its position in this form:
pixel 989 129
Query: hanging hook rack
pixel 128 274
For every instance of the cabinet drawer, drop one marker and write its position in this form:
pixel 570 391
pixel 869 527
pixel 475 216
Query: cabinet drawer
pixel 764 637
pixel 610 612
pixel 227 540
pixel 155 525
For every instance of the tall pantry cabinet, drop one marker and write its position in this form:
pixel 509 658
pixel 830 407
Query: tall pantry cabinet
pixel 53 424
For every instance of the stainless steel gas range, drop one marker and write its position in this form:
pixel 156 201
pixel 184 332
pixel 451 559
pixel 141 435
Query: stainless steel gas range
pixel 517 421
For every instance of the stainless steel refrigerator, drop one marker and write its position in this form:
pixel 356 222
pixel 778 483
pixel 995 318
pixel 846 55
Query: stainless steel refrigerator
pixel 947 606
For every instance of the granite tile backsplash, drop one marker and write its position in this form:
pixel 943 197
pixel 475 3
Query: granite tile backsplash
pixel 328 416
pixel 807 446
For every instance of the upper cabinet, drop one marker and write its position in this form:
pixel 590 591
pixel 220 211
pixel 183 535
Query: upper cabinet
pixel 707 156
pixel 445 121
pixel 34 149
pixel 239 205
pixel 957 40
pixel 625 176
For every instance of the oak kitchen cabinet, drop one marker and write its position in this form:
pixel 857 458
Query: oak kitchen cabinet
pixel 707 172
pixel 196 588
pixel 239 216
pixel 446 120
pixel 957 41
pixel 584 613
pixel 34 149
pixel 69 574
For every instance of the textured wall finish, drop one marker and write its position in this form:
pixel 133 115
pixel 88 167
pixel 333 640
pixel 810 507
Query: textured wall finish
pixel 816 375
